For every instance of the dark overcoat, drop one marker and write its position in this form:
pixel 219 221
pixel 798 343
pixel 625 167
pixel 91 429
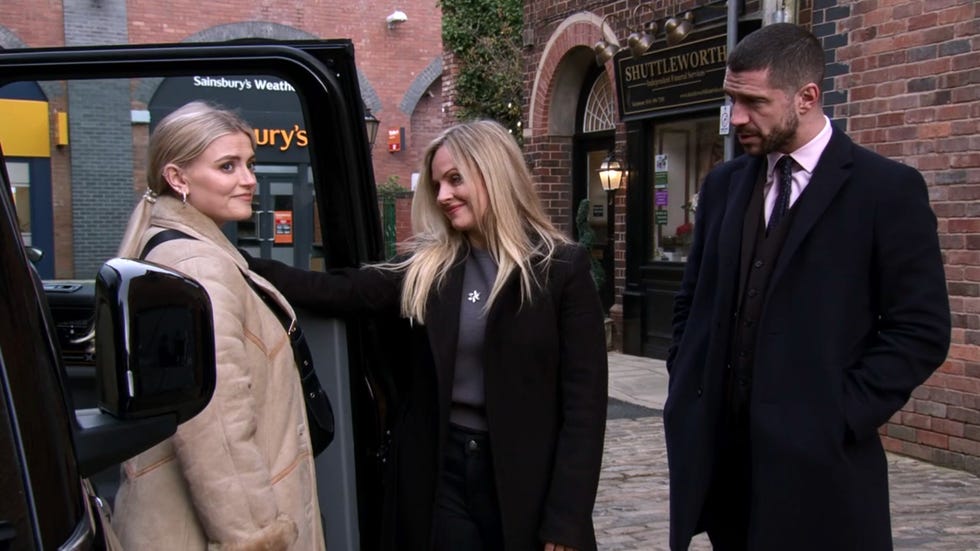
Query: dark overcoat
pixel 856 315
pixel 545 370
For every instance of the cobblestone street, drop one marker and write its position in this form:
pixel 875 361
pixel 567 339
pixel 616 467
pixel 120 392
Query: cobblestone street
pixel 933 508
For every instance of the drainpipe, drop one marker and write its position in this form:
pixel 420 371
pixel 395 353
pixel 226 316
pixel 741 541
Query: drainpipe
pixel 731 36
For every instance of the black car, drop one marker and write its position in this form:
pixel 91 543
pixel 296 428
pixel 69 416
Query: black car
pixel 75 348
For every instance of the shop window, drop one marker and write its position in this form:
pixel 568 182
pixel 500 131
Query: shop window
pixel 600 111
pixel 684 152
pixel 20 184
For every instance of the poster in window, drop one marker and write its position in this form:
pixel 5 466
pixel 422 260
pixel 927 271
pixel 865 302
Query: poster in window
pixel 284 227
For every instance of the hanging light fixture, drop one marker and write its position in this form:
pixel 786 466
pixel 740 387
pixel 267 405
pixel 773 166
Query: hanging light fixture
pixel 642 38
pixel 610 173
pixel 371 124
pixel 604 51
pixel 677 28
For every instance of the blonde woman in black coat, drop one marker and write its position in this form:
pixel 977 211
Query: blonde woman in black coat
pixel 499 442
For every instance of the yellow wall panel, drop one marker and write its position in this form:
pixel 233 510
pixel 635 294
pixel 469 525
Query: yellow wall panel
pixel 24 128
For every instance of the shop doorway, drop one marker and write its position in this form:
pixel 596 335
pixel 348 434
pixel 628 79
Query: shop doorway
pixel 594 140
pixel 680 152
pixel 281 226
pixel 598 214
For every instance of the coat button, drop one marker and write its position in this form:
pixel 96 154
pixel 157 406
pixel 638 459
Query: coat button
pixel 753 292
pixel 758 263
pixel 699 392
pixel 472 445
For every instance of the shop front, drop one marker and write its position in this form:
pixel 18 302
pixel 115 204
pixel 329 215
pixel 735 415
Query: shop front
pixel 671 101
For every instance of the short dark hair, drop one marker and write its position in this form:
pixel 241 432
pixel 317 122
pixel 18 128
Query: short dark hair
pixel 792 54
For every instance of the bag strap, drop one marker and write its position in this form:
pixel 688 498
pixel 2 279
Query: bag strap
pixel 162 237
pixel 170 234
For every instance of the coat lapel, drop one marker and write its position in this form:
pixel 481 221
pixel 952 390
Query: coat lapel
pixel 443 313
pixel 730 239
pixel 831 172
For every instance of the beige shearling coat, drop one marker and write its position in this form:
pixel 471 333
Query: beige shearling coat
pixel 239 475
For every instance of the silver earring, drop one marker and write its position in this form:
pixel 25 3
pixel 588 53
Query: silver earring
pixel 184 195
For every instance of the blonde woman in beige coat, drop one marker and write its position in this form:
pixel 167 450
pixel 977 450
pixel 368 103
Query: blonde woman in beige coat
pixel 239 475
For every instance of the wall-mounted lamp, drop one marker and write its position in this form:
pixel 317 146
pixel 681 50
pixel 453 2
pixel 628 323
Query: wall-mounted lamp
pixel 604 51
pixel 610 173
pixel 641 40
pixel 395 18
pixel 677 28
pixel 371 124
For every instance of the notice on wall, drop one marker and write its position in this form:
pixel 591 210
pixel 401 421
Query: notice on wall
pixel 660 180
pixel 660 163
pixel 660 197
pixel 725 120
pixel 395 136
pixel 660 217
pixel 284 227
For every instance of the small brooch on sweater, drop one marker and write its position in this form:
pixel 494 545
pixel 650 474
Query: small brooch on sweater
pixel 473 297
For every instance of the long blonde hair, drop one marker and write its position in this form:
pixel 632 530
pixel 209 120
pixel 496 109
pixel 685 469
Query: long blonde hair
pixel 519 236
pixel 179 138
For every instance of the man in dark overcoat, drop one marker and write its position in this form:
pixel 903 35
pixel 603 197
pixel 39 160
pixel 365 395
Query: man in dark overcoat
pixel 813 302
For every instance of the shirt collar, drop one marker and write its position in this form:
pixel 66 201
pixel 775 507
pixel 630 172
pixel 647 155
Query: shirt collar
pixel 808 155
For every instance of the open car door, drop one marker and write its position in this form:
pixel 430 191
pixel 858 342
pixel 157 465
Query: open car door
pixel 315 207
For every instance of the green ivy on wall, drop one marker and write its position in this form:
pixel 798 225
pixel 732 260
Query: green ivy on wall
pixel 485 38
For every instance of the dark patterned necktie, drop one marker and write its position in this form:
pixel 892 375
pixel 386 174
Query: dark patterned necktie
pixel 784 168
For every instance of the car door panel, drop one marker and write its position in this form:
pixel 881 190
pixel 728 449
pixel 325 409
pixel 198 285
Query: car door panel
pixel 324 76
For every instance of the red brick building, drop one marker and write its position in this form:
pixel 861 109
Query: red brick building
pixel 902 79
pixel 400 76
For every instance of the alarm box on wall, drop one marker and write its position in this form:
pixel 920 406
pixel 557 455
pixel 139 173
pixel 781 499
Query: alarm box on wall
pixel 396 137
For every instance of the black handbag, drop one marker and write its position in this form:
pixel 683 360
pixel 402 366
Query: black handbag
pixel 319 412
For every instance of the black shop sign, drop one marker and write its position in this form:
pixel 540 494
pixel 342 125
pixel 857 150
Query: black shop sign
pixel 689 74
pixel 268 103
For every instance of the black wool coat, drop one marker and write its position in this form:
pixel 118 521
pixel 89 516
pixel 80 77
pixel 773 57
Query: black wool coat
pixel 545 370
pixel 856 316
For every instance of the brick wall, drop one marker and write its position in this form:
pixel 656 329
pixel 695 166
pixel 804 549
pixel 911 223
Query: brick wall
pixel 34 22
pixel 101 141
pixel 908 82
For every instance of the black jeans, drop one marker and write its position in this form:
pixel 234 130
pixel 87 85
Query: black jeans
pixel 467 515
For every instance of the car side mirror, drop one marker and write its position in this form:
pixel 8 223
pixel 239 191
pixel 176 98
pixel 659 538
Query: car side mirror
pixel 34 254
pixel 155 361
pixel 154 345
